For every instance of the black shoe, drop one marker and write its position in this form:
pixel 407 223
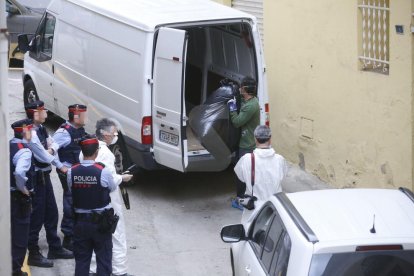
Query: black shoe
pixel 37 259
pixel 67 243
pixel 60 253
pixel 21 273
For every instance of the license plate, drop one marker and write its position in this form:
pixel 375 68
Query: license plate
pixel 168 138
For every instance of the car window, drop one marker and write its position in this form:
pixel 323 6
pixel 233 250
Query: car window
pixel 369 263
pixel 281 257
pixel 259 229
pixel 271 242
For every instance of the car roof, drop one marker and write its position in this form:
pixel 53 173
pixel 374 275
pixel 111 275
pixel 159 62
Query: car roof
pixel 344 214
pixel 148 15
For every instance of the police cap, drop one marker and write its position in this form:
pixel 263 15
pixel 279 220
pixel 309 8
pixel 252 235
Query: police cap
pixel 18 126
pixel 33 106
pixel 76 108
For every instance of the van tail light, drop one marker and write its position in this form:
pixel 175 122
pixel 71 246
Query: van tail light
pixel 146 130
pixel 267 118
pixel 379 247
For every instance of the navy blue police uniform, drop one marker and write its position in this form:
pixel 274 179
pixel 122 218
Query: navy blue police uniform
pixel 91 184
pixel 45 211
pixel 22 182
pixel 67 137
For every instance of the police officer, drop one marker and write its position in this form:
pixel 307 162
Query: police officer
pixel 91 184
pixel 45 211
pixel 67 138
pixel 247 119
pixel 22 181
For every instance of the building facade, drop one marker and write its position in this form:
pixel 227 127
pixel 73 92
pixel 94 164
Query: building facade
pixel 341 86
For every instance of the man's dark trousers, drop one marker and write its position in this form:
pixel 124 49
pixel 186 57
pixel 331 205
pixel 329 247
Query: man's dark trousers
pixel 241 186
pixel 45 212
pixel 86 239
pixel 20 223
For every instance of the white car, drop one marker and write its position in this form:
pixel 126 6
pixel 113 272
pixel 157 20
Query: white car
pixel 348 232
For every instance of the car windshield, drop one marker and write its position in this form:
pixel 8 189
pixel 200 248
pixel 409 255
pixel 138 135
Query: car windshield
pixel 368 263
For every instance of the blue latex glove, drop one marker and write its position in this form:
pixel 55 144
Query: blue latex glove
pixel 232 105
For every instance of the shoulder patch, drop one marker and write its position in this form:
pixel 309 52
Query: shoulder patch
pixel 20 146
pixel 99 165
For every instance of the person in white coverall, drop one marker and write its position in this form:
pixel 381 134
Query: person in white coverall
pixel 107 134
pixel 270 169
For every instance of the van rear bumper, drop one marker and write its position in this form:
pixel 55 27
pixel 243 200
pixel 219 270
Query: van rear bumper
pixel 141 155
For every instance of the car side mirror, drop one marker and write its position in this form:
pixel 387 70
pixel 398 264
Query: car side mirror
pixel 23 43
pixel 12 10
pixel 233 233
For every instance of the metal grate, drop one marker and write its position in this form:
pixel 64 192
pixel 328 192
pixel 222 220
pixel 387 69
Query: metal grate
pixel 374 54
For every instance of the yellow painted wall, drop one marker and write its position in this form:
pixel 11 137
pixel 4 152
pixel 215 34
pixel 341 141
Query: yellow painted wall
pixel 361 123
pixel 224 2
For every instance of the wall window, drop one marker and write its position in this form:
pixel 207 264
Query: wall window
pixel 374 28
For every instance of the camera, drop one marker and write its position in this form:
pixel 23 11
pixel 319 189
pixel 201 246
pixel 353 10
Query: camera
pixel 248 202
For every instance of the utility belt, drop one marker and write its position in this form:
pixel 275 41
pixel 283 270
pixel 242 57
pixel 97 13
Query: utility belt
pixel 40 177
pixel 106 220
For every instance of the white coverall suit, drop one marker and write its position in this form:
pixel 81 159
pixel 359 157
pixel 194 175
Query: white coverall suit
pixel 119 249
pixel 270 169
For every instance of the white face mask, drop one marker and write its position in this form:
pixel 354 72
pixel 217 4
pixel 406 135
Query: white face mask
pixel 115 139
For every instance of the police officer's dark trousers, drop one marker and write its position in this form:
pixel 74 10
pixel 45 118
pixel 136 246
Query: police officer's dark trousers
pixel 20 208
pixel 66 225
pixel 87 239
pixel 45 212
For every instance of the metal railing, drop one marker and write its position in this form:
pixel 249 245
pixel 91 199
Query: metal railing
pixel 374 54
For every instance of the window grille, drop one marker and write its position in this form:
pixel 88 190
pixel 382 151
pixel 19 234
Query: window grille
pixel 375 18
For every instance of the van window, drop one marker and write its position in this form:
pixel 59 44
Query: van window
pixel 44 39
pixel 369 263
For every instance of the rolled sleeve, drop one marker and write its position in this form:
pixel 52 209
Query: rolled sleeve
pixel 39 152
pixel 22 161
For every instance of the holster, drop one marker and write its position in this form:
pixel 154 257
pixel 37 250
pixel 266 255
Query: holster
pixel 63 180
pixel 24 203
pixel 107 221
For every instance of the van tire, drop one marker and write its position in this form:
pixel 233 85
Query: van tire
pixel 122 159
pixel 29 92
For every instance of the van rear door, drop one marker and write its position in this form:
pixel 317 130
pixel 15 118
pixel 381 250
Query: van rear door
pixel 168 111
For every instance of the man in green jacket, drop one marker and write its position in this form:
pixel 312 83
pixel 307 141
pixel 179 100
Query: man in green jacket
pixel 247 119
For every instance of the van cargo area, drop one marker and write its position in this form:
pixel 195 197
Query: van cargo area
pixel 214 53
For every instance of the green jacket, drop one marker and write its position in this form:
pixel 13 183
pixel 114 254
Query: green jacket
pixel 248 119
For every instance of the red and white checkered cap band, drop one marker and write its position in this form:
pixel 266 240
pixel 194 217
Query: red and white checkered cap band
pixel 40 108
pixel 21 129
pixel 91 141
pixel 77 109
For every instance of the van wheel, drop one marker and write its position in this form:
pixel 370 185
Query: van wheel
pixel 120 165
pixel 29 92
pixel 232 262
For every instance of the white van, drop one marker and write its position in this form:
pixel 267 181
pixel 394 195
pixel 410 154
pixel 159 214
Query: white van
pixel 142 63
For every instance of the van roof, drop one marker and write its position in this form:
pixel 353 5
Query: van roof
pixel 147 15
pixel 348 214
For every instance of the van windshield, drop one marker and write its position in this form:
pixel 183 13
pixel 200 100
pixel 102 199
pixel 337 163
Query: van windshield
pixel 369 263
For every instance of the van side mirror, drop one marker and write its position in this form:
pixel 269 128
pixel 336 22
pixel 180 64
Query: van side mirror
pixel 233 233
pixel 12 10
pixel 23 43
